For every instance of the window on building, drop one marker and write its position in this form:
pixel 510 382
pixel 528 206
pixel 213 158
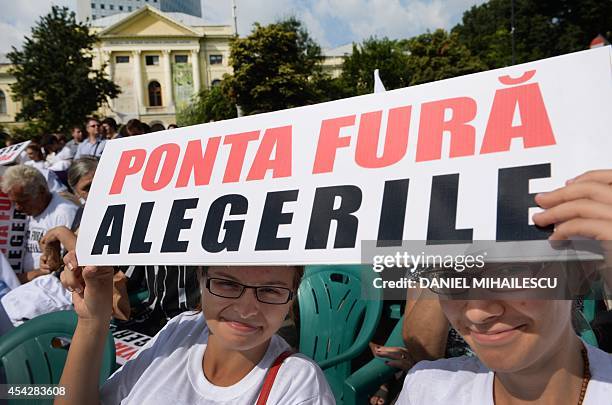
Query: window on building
pixel 93 5
pixel 155 99
pixel 94 16
pixel 120 8
pixel 111 7
pixel 181 59
pixel 215 83
pixel 2 103
pixel 152 60
pixel 102 6
pixel 215 59
pixel 122 59
pixel 129 8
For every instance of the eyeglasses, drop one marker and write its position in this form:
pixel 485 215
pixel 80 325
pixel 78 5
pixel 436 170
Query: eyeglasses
pixel 231 289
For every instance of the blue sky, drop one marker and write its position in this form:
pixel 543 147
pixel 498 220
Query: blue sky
pixel 331 22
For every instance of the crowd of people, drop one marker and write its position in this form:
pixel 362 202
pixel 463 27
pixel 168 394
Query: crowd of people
pixel 216 328
pixel 49 183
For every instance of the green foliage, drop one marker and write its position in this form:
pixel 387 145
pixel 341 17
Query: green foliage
pixel 209 105
pixel 389 56
pixel 55 83
pixel 421 59
pixel 439 55
pixel 543 28
pixel 277 66
pixel 32 130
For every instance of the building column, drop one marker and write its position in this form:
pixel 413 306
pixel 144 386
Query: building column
pixel 140 101
pixel 108 61
pixel 195 64
pixel 168 96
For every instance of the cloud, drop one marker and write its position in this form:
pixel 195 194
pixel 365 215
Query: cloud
pixel 333 22
pixel 330 22
pixel 18 17
pixel 10 36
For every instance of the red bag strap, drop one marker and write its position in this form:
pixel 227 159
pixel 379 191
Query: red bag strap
pixel 271 376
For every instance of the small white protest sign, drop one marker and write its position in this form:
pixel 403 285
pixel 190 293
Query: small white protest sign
pixel 13 228
pixel 9 154
pixel 455 159
pixel 127 344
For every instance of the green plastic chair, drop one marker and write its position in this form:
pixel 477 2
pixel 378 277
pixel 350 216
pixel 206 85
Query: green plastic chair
pixel 35 352
pixel 139 298
pixel 336 323
pixel 371 376
pixel 585 318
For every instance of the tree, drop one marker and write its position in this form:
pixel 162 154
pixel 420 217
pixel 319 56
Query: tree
pixel 543 28
pixel 54 80
pixel 384 54
pixel 439 55
pixel 277 66
pixel 209 105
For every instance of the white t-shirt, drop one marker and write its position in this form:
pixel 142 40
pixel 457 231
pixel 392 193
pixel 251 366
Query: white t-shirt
pixel 168 370
pixel 40 296
pixel 59 212
pixel 40 165
pixel 7 274
pixel 465 380
pixel 61 160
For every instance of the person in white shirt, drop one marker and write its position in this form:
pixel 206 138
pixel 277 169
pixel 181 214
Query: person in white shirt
pixel 35 156
pixel 219 356
pixel 526 349
pixel 57 159
pixel 27 189
pixel 37 161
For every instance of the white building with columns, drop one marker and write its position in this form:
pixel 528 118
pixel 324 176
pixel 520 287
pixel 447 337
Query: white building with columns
pixel 159 60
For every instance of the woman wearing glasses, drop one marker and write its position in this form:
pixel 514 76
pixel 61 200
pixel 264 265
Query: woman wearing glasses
pixel 222 355
pixel 527 350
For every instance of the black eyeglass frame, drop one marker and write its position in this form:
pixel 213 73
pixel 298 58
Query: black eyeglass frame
pixel 254 287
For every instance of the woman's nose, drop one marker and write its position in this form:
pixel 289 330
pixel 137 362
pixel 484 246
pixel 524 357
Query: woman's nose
pixel 248 304
pixel 483 311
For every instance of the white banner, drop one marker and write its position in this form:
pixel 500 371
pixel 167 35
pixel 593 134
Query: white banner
pixel 9 154
pixel 127 344
pixel 13 228
pixel 458 159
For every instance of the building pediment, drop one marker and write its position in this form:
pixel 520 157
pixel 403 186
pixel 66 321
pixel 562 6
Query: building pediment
pixel 147 21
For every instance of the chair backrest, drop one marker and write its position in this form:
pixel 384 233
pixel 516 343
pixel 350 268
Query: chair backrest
pixel 35 352
pixel 585 319
pixel 333 313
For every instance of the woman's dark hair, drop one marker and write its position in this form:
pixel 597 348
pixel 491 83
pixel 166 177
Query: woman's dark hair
pixel 157 127
pixel 123 131
pixel 36 148
pixel 135 127
pixel 110 122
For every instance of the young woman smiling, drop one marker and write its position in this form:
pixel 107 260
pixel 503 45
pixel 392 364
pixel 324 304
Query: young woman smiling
pixel 526 350
pixel 221 355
